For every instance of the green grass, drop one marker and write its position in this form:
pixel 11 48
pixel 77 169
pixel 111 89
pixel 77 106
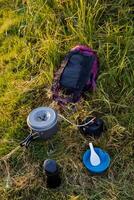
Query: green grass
pixel 34 37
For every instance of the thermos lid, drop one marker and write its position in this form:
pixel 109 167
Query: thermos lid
pixel 42 119
pixel 50 166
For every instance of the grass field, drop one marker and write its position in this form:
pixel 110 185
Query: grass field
pixel 34 37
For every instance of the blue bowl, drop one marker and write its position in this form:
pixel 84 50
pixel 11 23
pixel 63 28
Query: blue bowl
pixel 103 166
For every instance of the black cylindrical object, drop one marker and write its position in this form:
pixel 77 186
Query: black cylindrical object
pixel 93 129
pixel 51 170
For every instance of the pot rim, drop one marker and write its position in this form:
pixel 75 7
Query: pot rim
pixel 40 126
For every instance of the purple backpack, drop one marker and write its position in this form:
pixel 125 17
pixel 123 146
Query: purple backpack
pixel 77 74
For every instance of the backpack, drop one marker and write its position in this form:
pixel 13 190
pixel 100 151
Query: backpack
pixel 78 73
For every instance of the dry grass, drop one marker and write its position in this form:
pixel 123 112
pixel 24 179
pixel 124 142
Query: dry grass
pixel 34 37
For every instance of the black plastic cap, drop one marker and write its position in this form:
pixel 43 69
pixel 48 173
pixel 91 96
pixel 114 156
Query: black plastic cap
pixel 50 166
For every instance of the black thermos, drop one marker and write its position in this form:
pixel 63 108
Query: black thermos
pixel 51 170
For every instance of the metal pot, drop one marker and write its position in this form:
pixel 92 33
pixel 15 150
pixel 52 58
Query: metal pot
pixel 42 122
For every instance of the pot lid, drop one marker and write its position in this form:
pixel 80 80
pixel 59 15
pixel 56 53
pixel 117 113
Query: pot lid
pixel 42 118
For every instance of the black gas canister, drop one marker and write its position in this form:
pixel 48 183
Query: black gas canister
pixel 93 129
